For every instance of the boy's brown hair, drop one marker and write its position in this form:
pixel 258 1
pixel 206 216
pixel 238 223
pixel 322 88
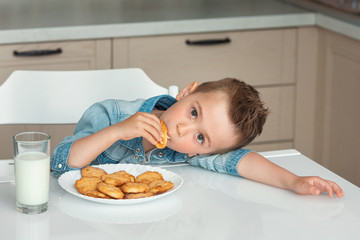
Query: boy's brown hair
pixel 246 109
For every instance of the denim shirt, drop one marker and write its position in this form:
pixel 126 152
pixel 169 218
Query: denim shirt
pixel 109 112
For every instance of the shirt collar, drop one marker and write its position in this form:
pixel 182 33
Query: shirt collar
pixel 161 102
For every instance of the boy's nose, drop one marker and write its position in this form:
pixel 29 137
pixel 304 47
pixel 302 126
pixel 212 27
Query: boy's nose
pixel 183 128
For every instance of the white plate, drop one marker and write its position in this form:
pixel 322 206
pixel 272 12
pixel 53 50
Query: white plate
pixel 68 179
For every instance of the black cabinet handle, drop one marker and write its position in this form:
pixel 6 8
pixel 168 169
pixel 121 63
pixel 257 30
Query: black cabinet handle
pixel 208 41
pixel 37 53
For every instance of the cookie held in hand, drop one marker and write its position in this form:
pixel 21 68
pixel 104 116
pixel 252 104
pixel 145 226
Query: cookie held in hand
pixel 164 136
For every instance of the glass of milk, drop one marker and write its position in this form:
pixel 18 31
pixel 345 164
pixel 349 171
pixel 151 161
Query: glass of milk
pixel 32 170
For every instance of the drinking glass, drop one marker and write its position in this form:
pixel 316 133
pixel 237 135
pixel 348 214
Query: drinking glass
pixel 32 171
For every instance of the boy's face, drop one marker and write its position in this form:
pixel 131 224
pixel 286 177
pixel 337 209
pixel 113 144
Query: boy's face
pixel 199 124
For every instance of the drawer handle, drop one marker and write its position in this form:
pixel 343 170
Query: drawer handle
pixel 37 53
pixel 208 41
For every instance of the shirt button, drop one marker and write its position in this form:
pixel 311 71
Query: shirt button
pixel 137 150
pixel 160 154
pixel 136 156
pixel 60 165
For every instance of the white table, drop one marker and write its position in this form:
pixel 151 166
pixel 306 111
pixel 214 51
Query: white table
pixel 208 206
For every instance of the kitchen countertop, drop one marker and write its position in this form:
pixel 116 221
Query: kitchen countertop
pixel 25 21
pixel 331 18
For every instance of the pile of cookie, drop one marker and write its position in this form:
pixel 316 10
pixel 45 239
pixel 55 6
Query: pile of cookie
pixel 96 182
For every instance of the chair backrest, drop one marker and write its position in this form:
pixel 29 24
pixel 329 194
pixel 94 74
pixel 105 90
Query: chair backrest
pixel 61 97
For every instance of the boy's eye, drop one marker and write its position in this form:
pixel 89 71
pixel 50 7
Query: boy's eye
pixel 200 137
pixel 193 113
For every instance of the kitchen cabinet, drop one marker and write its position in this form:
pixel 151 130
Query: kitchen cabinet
pixel 264 58
pixel 307 70
pixel 68 55
pixel 337 139
pixel 327 97
pixel 71 55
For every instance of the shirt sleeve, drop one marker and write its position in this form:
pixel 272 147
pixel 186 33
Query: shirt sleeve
pixel 223 163
pixel 93 120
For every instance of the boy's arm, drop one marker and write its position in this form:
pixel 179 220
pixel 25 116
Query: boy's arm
pixel 85 150
pixel 255 167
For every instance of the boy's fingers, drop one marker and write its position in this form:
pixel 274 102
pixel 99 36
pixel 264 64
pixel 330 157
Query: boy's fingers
pixel 330 192
pixel 152 126
pixel 150 138
pixel 156 123
pixel 314 190
pixel 317 185
pixel 152 119
pixel 340 194
pixel 338 191
pixel 328 188
pixel 155 134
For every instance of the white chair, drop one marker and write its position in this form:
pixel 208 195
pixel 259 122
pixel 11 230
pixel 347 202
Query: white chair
pixel 61 97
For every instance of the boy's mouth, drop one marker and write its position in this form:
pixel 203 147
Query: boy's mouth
pixel 168 136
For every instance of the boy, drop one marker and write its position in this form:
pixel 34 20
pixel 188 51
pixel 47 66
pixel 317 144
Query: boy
pixel 207 125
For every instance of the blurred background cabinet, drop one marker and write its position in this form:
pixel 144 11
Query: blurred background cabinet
pixel 263 57
pixel 72 55
pixel 266 59
pixel 327 99
pixel 338 135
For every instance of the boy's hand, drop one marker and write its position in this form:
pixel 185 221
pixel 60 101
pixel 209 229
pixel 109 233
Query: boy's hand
pixel 315 186
pixel 255 167
pixel 140 124
pixel 86 149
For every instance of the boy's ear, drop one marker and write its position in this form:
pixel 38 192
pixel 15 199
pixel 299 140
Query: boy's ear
pixel 187 90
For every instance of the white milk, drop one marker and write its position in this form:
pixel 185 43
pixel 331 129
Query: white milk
pixel 32 178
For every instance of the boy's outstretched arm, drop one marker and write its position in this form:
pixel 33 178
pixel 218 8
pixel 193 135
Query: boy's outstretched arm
pixel 257 168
